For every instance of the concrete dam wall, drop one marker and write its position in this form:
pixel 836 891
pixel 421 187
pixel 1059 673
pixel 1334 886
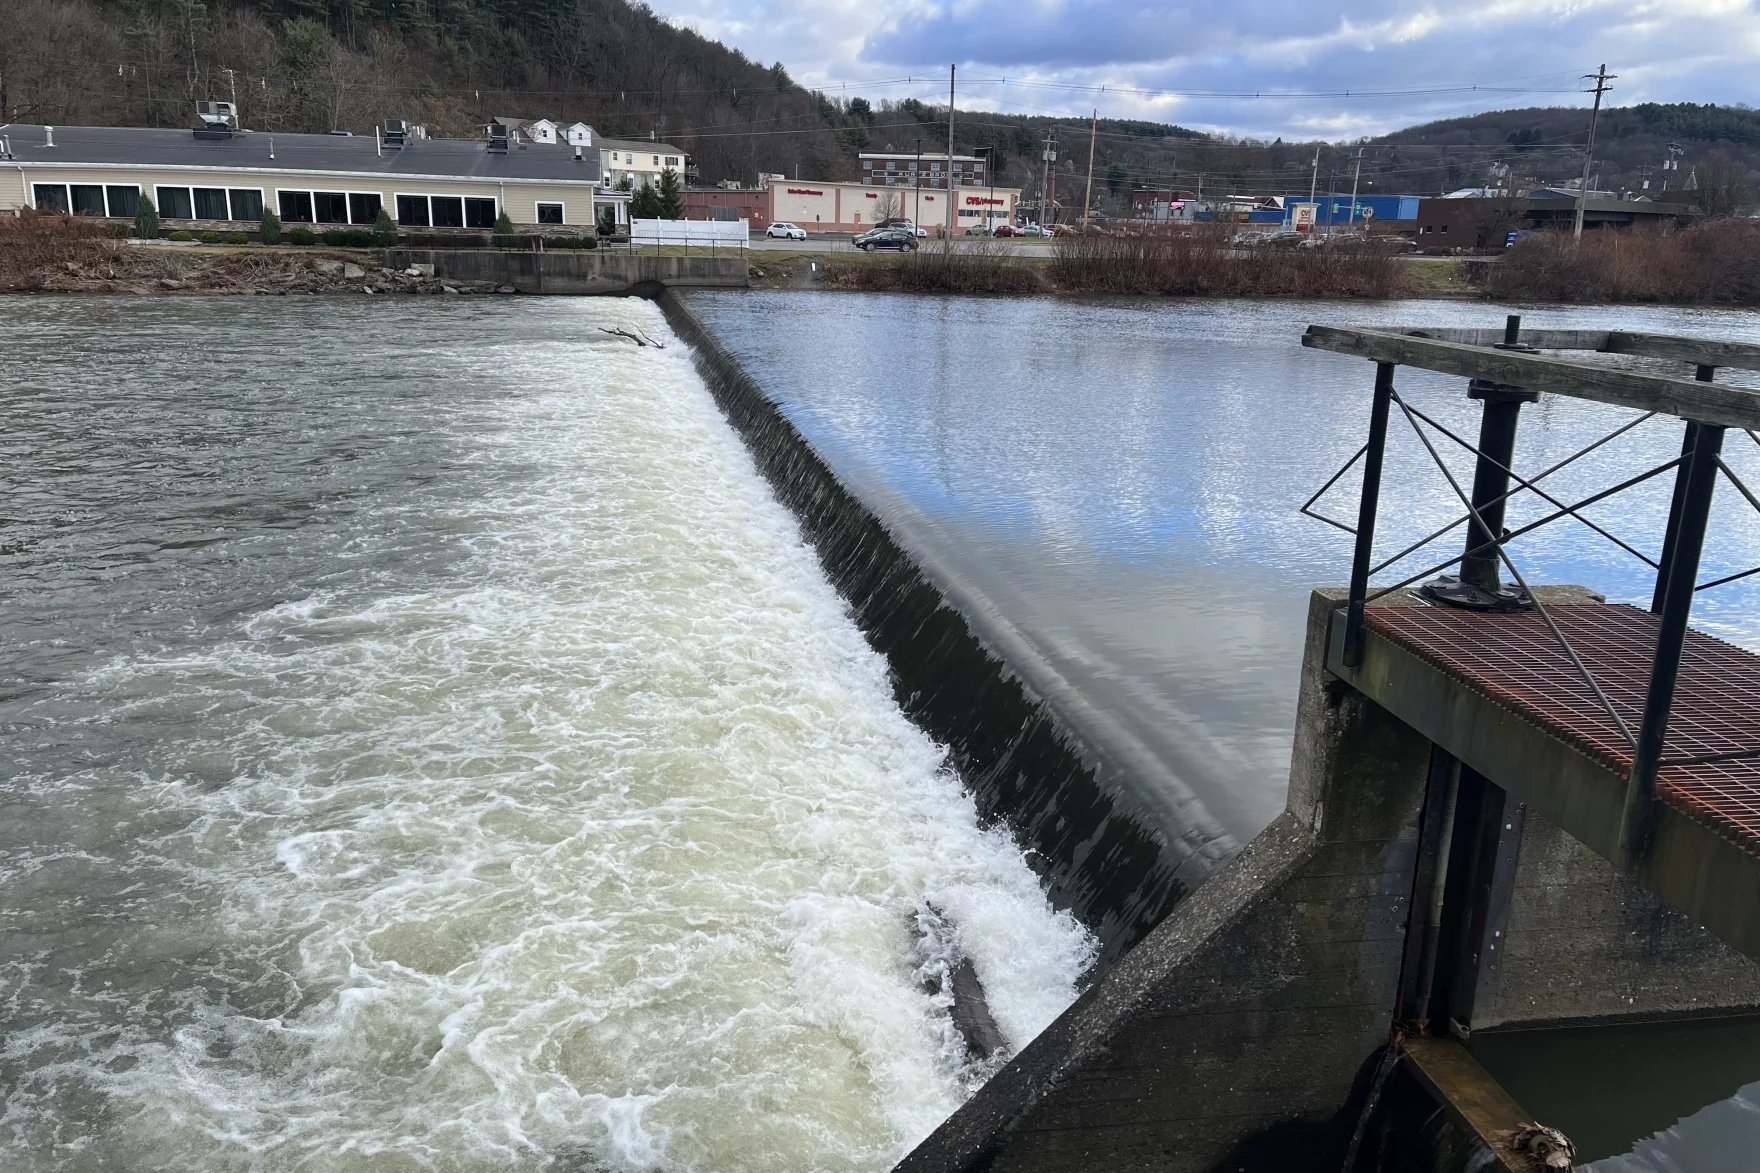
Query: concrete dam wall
pixel 578 272
pixel 1102 850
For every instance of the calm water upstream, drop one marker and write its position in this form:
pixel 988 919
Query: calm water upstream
pixel 427 745
pixel 1117 482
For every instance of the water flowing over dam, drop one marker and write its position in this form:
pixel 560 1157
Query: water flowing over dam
pixel 430 745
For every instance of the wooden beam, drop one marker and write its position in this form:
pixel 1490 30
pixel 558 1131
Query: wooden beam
pixel 1695 351
pixel 1712 403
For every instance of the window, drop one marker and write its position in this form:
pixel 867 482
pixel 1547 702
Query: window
pixel 124 201
pixel 50 196
pixel 479 213
pixel 448 211
pixel 363 207
pixel 892 164
pixel 549 213
pixel 296 206
pixel 330 207
pixel 247 202
pixel 211 203
pixel 174 203
pixel 656 160
pixel 413 211
pixel 88 199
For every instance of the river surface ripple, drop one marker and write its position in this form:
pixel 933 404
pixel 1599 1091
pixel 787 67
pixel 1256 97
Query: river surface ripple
pixel 428 745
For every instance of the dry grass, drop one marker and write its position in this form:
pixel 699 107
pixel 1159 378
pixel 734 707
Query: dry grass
pixel 1715 263
pixel 930 270
pixel 1199 261
pixel 37 246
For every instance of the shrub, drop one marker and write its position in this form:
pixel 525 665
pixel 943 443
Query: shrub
pixel 503 236
pixel 570 242
pixel 237 238
pixel 1201 261
pixel 271 228
pixel 211 237
pixel 180 234
pixel 1716 262
pixel 302 236
pixel 384 230
pixel 146 219
pixel 35 245
pixel 348 237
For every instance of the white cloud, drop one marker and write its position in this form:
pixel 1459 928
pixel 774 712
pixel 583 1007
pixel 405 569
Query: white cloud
pixel 1518 50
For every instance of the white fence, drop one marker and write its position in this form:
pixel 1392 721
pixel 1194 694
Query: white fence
pixel 707 233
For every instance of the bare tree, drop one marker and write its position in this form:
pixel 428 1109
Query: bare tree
pixel 888 207
pixel 1723 184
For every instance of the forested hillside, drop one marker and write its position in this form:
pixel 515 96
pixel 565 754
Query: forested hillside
pixel 319 65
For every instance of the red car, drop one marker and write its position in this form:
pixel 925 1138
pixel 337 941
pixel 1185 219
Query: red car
pixel 1007 230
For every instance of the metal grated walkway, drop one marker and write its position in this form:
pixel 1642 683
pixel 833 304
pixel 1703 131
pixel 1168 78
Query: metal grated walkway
pixel 1514 661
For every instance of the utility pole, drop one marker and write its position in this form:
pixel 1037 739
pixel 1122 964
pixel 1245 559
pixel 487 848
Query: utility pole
pixel 1088 199
pixel 1601 78
pixel 917 204
pixel 1672 163
pixel 950 195
pixel 1350 223
pixel 1045 188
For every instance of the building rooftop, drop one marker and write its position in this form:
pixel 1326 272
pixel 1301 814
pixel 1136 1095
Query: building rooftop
pixel 251 150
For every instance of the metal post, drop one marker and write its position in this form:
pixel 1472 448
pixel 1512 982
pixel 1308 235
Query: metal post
pixel 1359 591
pixel 1672 536
pixel 1700 474
pixel 1479 587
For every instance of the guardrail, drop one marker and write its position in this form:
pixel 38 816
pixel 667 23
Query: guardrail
pixel 1505 370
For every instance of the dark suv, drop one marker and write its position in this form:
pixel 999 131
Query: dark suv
pixel 898 238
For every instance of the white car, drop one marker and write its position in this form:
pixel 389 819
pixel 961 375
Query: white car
pixel 783 230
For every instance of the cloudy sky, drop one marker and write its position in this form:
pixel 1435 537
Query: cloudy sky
pixel 1036 56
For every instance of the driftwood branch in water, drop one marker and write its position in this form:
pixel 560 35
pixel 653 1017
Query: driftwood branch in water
pixel 638 338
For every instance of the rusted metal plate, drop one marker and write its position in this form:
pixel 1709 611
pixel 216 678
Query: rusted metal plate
pixel 1514 661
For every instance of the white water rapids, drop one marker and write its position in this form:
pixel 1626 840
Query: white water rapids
pixel 594 852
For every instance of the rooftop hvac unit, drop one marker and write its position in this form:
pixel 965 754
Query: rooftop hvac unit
pixel 497 139
pixel 396 132
pixel 218 119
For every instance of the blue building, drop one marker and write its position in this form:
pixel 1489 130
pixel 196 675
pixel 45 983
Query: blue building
pixel 1335 208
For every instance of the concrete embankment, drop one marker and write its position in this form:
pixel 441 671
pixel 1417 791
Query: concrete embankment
pixel 578 272
pixel 1104 850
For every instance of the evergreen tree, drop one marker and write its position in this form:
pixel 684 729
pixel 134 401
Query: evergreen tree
pixel 385 230
pixel 503 236
pixel 646 204
pixel 671 197
pixel 271 228
pixel 146 220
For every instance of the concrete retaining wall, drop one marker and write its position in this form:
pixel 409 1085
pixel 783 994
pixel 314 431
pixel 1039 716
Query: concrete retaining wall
pixel 571 271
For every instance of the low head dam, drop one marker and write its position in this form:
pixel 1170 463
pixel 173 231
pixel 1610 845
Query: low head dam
pixel 591 272
pixel 1455 867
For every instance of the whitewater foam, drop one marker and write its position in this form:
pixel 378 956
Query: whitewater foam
pixel 595 852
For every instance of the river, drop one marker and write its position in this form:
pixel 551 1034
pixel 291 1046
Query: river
pixel 429 745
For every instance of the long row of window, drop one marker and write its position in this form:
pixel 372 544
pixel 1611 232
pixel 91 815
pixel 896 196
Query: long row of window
pixel 423 211
pixel 174 203
pixel 295 207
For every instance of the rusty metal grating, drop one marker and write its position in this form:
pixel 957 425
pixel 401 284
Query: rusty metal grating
pixel 1514 661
